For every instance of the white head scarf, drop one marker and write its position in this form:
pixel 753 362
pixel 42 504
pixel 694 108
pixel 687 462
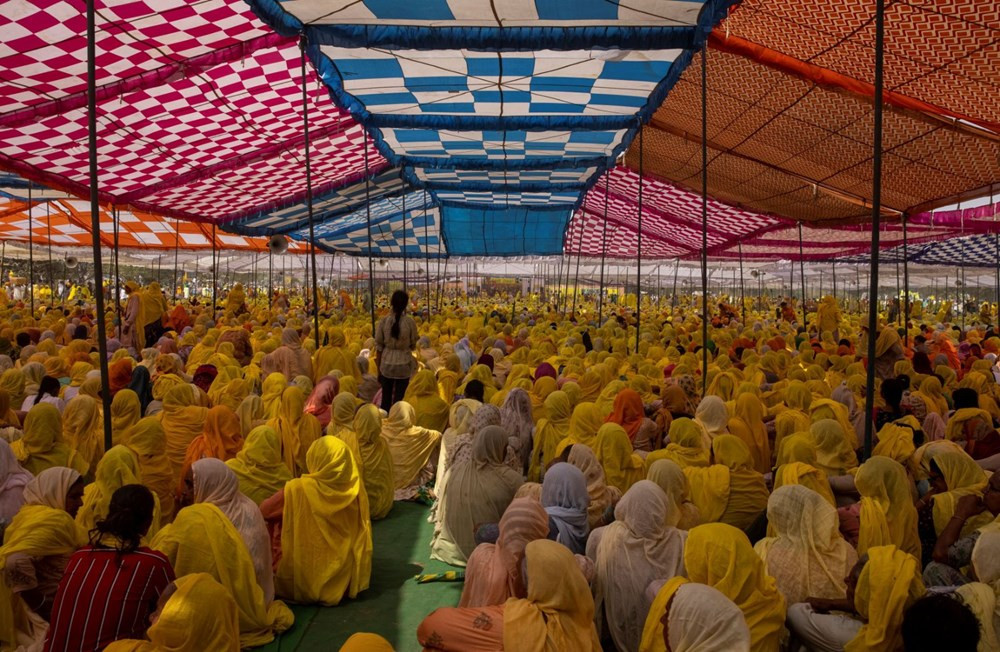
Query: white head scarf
pixel 215 483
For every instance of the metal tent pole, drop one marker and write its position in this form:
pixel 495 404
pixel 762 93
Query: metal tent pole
pixel 802 278
pixel 876 219
pixel 215 271
pixel 906 288
pixel 704 218
pixel 833 270
pixel 673 292
pixel 95 220
pixel 579 251
pixel 427 250
pixel 405 284
pixel 604 246
pixel 31 252
pixel 48 231
pixel 743 299
pixel 3 261
pixel 368 224
pixel 309 192
pixel 638 253
pixel 177 247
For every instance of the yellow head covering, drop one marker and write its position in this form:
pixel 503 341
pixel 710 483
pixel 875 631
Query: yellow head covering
pixel 887 516
pixel 622 467
pixel 558 612
pixel 125 412
pixel 147 440
pixel 721 556
pixel 203 540
pixel 118 467
pixel 40 447
pixel 326 533
pixel 375 461
pixel 258 466
pixel 888 585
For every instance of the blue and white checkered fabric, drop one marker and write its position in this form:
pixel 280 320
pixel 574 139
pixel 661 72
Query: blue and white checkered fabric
pixel 500 198
pixel 325 206
pixel 392 230
pixel 981 250
pixel 512 145
pixel 513 107
pixel 509 13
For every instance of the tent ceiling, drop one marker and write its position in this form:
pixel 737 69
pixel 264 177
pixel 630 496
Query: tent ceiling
pixel 490 119
pixel 790 111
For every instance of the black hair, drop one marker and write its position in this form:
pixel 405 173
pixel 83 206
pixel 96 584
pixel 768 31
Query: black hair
pixel 940 622
pixel 474 389
pixel 965 397
pixel 48 385
pixel 22 339
pixel 892 391
pixel 80 332
pixel 398 302
pixel 129 515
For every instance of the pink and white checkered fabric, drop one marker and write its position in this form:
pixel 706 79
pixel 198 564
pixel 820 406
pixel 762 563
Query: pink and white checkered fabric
pixel 208 120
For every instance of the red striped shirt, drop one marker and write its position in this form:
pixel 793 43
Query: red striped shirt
pixel 104 597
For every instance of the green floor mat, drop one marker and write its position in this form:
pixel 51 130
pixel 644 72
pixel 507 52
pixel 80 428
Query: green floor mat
pixel 394 604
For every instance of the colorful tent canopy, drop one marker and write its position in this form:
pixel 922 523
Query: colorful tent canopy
pixel 491 124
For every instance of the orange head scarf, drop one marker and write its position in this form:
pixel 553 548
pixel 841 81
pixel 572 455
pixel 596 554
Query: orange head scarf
pixel 627 412
pixel 120 374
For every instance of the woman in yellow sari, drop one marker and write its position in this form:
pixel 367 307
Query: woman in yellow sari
pixel 606 400
pixel 550 430
pixel 182 421
pixel 125 412
pixel 375 461
pixel 622 467
pixel 274 385
pixel 729 491
pixel 326 538
pixel 198 615
pixel 889 583
pixel 202 539
pixel 953 474
pixel 583 427
pixel 931 393
pixel 557 614
pixel 342 424
pixel 796 464
pixel 540 391
pixel 807 557
pixel 296 429
pixel 887 515
pixel 747 423
pixel 41 446
pixel 448 377
pixel 422 394
pixel 83 430
pixel 685 448
pixel 601 495
pixel 37 545
pixel 118 467
pixel 13 382
pixel 149 443
pixel 795 415
pixel 834 455
pixel 412 449
pixel 720 556
pixel 259 467
pixel 334 356
pixel 682 513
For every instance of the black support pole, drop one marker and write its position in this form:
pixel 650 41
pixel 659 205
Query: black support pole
pixel 638 253
pixel 743 299
pixel 876 219
pixel 802 279
pixel 604 246
pixel 95 218
pixel 31 253
pixel 309 193
pixel 704 219
pixel 906 288
pixel 368 223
